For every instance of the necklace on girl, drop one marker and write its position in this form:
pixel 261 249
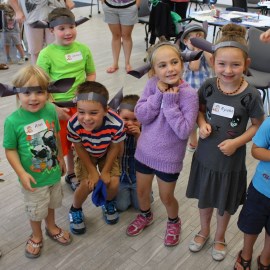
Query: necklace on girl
pixel 230 93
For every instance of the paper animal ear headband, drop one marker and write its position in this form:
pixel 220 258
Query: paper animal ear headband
pixel 187 57
pixel 58 21
pixel 209 47
pixel 113 104
pixel 59 86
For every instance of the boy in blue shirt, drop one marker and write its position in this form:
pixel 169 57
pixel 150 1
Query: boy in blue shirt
pixel 255 214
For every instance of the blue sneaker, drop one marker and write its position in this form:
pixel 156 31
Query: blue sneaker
pixel 76 219
pixel 110 213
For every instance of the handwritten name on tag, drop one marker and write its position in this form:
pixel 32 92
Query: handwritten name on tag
pixel 35 127
pixel 73 57
pixel 223 110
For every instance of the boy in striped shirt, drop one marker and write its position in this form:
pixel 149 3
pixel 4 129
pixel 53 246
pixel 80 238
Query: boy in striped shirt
pixel 97 135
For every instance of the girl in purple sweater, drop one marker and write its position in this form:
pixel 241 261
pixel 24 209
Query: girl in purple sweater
pixel 167 110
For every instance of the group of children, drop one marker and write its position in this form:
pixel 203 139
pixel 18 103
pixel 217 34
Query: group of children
pixel 148 137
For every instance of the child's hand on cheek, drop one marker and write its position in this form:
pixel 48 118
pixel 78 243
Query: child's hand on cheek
pixel 162 86
pixel 133 129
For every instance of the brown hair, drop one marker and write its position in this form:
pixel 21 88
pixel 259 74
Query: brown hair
pixel 60 12
pixel 130 99
pixel 93 87
pixel 234 32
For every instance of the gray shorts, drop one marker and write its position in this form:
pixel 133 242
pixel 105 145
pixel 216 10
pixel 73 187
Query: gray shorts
pixel 10 38
pixel 38 202
pixel 123 16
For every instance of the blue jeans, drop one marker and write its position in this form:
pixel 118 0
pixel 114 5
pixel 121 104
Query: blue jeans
pixel 126 197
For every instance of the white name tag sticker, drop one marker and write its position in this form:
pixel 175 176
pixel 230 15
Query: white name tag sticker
pixel 223 110
pixel 35 127
pixel 73 57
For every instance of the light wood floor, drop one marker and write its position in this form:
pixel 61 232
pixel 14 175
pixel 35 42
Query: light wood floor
pixel 104 246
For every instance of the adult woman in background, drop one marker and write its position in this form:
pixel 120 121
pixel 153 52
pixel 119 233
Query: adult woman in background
pixel 121 15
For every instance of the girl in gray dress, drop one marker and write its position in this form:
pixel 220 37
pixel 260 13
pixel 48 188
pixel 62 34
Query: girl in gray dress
pixel 218 171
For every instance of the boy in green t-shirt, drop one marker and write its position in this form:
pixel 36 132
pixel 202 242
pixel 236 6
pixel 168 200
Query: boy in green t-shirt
pixel 66 58
pixel 33 149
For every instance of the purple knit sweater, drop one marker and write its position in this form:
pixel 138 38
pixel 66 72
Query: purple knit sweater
pixel 167 121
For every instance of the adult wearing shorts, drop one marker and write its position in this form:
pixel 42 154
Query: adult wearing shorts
pixel 30 11
pixel 121 15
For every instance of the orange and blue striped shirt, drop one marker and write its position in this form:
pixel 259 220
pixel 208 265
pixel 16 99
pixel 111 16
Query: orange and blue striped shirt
pixel 96 142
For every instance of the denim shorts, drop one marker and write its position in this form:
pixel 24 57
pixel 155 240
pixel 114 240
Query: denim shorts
pixel 255 214
pixel 166 177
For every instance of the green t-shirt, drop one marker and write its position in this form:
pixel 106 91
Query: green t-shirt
pixel 60 62
pixel 33 136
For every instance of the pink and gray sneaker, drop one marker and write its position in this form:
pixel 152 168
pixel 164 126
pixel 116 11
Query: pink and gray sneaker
pixel 172 235
pixel 137 225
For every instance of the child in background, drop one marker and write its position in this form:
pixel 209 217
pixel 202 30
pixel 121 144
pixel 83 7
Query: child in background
pixel 127 195
pixel 33 149
pixel 255 214
pixel 66 58
pixel 196 72
pixel 168 110
pixel 11 33
pixel 218 176
pixel 97 134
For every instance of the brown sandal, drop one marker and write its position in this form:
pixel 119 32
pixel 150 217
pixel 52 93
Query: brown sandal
pixel 244 263
pixel 34 245
pixel 261 266
pixel 3 66
pixel 58 236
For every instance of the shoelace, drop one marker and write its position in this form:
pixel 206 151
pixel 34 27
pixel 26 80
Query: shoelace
pixel 172 229
pixel 110 208
pixel 77 217
pixel 140 220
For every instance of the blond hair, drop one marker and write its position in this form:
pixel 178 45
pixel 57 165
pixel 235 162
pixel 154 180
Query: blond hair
pixel 26 73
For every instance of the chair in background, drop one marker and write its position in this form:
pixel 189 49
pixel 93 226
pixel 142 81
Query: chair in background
pixel 259 69
pixel 240 4
pixel 91 7
pixel 249 4
pixel 253 5
pixel 143 18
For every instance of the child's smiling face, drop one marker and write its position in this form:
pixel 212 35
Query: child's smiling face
pixel 90 114
pixel 33 101
pixel 65 34
pixel 168 66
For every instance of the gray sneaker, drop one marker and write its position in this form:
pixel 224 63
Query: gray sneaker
pixel 21 61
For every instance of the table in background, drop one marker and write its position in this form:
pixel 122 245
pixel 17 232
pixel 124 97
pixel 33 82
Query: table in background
pixel 248 19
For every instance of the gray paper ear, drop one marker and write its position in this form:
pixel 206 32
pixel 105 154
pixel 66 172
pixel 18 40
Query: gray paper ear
pixel 81 20
pixel 205 27
pixel 7 90
pixel 202 44
pixel 61 86
pixel 65 104
pixel 116 100
pixel 140 71
pixel 43 24
pixel 40 24
pixel 191 55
